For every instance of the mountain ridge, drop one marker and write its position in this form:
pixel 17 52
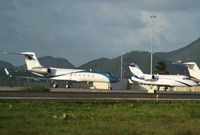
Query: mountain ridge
pixel 188 53
pixel 142 58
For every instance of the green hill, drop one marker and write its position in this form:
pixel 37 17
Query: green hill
pixel 49 61
pixel 98 64
pixel 4 64
pixel 190 52
pixel 140 57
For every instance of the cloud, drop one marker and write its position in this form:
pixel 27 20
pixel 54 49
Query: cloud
pixel 170 5
pixel 81 30
pixel 110 15
pixel 141 39
pixel 161 5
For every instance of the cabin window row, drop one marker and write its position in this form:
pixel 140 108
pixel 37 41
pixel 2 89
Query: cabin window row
pixel 84 75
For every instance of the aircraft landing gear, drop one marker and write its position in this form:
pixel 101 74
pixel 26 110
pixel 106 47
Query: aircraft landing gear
pixel 55 85
pixel 154 91
pixel 61 85
pixel 67 86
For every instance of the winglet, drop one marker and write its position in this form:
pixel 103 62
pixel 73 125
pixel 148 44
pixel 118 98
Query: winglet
pixel 7 73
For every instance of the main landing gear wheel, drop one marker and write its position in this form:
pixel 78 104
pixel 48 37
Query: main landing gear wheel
pixel 67 86
pixel 154 91
pixel 55 85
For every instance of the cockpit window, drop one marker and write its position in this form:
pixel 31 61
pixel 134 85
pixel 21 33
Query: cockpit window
pixel 108 74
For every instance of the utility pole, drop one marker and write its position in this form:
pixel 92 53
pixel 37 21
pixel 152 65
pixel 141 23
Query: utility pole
pixel 122 66
pixel 152 43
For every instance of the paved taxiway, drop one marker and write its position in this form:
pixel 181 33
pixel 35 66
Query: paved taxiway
pixel 97 95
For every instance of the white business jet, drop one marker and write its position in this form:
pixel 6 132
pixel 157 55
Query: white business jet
pixel 159 80
pixel 68 75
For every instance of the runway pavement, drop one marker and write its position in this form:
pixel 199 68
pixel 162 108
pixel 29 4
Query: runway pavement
pixel 96 95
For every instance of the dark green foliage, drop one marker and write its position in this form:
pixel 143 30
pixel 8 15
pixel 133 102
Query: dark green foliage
pixel 100 118
pixel 161 68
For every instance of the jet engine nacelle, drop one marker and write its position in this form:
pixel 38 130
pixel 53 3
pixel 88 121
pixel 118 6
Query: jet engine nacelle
pixel 41 71
pixel 150 77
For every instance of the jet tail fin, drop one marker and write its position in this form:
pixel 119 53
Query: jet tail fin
pixel 193 69
pixel 30 59
pixel 135 70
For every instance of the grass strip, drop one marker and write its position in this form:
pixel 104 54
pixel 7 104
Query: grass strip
pixel 99 117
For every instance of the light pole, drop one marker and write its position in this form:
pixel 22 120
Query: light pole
pixel 122 66
pixel 152 43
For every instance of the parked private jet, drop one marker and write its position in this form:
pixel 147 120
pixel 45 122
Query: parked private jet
pixel 159 80
pixel 194 70
pixel 68 75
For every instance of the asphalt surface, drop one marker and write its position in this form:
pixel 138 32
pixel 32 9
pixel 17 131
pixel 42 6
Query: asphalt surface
pixel 96 95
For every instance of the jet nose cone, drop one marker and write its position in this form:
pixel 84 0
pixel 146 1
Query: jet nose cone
pixel 113 79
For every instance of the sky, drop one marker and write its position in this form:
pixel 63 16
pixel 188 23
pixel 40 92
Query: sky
pixel 84 30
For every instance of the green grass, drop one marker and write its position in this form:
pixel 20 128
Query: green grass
pixel 99 118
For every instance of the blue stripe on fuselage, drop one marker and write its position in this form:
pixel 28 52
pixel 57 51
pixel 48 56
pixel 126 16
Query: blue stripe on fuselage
pixel 111 78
